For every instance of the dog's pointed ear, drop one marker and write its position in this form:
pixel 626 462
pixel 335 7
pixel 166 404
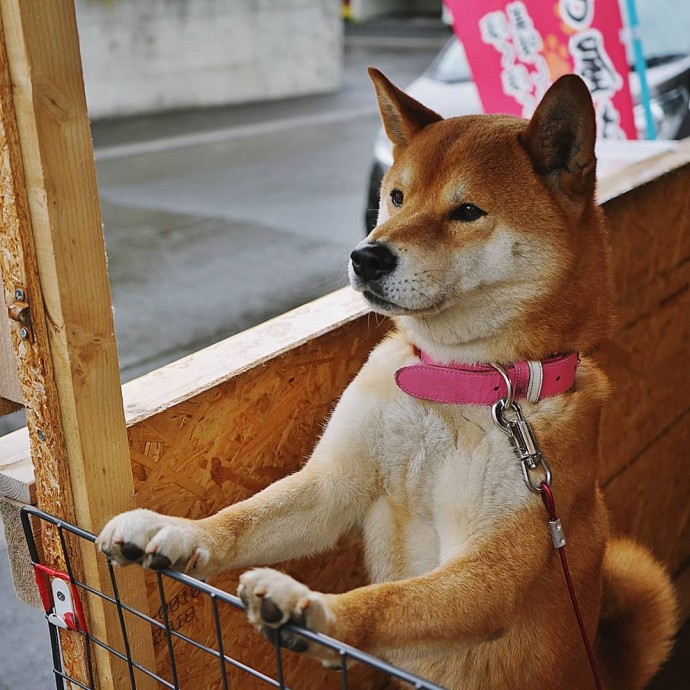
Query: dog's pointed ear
pixel 401 114
pixel 560 139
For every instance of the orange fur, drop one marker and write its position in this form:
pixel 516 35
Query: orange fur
pixel 466 587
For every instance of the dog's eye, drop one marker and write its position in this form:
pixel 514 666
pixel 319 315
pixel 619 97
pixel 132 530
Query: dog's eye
pixel 467 213
pixel 397 197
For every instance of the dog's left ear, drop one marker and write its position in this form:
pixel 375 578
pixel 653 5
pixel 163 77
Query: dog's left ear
pixel 401 114
pixel 560 139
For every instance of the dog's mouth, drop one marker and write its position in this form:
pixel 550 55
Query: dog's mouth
pixel 384 304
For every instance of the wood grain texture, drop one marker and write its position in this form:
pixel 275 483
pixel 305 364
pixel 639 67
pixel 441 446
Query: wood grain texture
pixel 646 360
pixel 649 499
pixel 35 371
pixel 69 372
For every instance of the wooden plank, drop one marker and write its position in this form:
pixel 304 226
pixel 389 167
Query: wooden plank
pixel 161 389
pixel 59 239
pixel 646 366
pixel 649 500
pixel 35 372
pixel 642 172
pixel 649 234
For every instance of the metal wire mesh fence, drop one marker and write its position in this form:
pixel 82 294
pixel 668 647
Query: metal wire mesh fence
pixel 61 594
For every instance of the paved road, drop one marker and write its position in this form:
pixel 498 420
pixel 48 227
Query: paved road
pixel 231 216
pixel 215 221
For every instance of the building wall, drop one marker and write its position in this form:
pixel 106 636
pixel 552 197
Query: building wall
pixel 150 55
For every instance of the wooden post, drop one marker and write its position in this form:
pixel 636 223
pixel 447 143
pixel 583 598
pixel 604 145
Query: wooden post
pixel 52 244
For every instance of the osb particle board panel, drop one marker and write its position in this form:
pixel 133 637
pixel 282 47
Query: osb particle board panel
pixel 648 370
pixel 231 440
pixel 649 500
pixel 649 232
pixel 227 443
pixel 645 361
pixel 9 379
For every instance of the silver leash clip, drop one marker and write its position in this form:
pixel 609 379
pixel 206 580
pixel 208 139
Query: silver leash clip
pixel 521 435
pixel 557 534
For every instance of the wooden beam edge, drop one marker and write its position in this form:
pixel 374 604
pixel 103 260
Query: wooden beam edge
pixel 643 172
pixel 207 368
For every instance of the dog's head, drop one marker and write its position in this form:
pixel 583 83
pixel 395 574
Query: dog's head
pixel 489 244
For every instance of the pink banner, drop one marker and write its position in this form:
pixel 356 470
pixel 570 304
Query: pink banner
pixel 517 49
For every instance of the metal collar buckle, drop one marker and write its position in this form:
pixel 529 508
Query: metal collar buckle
pixel 521 435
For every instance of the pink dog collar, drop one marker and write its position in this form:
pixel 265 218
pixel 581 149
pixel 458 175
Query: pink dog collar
pixel 481 384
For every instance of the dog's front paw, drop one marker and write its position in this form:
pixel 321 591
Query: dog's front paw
pixel 273 599
pixel 154 541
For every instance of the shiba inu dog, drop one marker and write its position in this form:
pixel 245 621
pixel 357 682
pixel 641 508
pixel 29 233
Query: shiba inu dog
pixel 489 250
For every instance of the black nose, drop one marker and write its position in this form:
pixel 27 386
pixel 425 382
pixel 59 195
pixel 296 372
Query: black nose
pixel 373 261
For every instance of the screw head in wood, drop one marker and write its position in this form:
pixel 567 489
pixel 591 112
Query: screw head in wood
pixel 19 295
pixel 24 333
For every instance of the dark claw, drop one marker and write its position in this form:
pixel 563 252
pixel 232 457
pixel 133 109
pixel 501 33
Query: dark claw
pixel 270 611
pixel 293 642
pixel 271 634
pixel 299 619
pixel 131 551
pixel 159 562
pixel 287 639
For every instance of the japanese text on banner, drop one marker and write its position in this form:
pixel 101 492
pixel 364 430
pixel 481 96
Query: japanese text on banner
pixel 516 49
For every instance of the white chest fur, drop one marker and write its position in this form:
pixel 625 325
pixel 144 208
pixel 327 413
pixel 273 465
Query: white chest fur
pixel 446 474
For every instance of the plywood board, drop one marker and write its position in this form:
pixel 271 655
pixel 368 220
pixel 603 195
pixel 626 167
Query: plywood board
pixel 649 500
pixel 646 364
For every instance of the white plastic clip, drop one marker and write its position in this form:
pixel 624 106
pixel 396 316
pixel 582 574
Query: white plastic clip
pixel 63 612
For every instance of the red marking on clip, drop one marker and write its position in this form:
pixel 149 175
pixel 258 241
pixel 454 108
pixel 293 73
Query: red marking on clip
pixel 42 574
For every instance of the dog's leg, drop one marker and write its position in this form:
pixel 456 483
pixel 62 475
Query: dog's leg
pixel 471 598
pixel 301 514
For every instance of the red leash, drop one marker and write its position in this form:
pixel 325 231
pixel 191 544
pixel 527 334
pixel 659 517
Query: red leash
pixel 556 534
pixel 527 451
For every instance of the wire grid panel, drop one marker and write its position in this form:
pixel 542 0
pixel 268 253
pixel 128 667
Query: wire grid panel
pixel 221 666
